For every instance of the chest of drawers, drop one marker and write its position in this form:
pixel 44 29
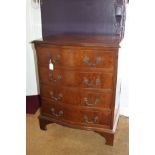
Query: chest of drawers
pixel 79 90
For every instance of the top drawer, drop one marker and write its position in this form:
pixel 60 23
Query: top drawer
pixel 75 57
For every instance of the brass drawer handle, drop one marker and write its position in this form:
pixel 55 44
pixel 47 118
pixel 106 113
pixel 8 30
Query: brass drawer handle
pixel 54 60
pixel 58 78
pixel 86 82
pixel 60 113
pixel 94 120
pixel 58 98
pixel 86 60
pixel 86 102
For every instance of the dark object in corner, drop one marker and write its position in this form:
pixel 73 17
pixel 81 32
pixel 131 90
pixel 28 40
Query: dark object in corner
pixel 32 104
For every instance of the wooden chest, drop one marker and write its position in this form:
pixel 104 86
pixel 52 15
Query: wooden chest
pixel 78 77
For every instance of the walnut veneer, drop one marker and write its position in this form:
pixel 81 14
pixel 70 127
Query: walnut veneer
pixel 80 91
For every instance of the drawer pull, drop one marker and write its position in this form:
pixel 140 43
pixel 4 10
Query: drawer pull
pixel 59 97
pixel 54 60
pixel 86 82
pixel 86 102
pixel 51 78
pixel 86 60
pixel 94 120
pixel 60 113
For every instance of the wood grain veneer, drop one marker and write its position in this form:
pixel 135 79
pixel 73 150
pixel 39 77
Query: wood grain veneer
pixel 80 91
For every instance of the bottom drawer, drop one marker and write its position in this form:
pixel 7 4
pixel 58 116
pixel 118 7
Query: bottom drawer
pixel 77 115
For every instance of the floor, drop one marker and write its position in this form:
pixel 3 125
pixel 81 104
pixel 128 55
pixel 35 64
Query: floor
pixel 59 140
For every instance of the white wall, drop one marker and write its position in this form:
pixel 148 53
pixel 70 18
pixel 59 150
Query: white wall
pixel 123 67
pixel 33 32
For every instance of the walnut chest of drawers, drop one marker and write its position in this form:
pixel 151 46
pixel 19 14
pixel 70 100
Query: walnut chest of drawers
pixel 78 78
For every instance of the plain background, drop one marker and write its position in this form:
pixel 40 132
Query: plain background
pixel 34 32
pixel 141 76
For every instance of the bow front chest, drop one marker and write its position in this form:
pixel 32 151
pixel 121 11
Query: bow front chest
pixel 78 82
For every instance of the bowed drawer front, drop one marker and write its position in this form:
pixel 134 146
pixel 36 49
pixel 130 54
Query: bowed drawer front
pixel 74 96
pixel 73 78
pixel 74 57
pixel 69 114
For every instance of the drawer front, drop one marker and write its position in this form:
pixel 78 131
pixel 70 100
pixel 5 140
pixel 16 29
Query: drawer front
pixel 58 95
pixel 96 99
pixel 71 78
pixel 76 115
pixel 73 96
pixel 76 57
pixel 95 118
pixel 57 111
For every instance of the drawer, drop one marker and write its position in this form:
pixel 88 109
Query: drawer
pixel 96 99
pixel 76 57
pixel 80 79
pixel 76 97
pixel 90 118
pixel 58 95
pixel 76 115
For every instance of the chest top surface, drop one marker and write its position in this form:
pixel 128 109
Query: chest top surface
pixel 81 40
